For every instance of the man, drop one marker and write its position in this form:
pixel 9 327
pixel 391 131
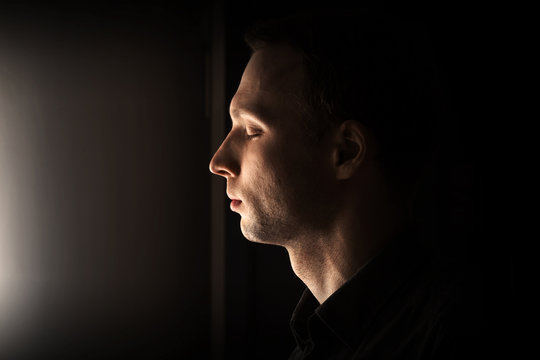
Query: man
pixel 332 128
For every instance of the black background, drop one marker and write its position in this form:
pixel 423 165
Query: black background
pixel 471 41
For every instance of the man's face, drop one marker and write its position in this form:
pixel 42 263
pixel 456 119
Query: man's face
pixel 276 174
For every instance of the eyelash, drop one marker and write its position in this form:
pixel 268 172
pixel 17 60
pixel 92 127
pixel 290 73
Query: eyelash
pixel 252 136
pixel 256 133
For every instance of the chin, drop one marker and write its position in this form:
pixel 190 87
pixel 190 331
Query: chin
pixel 248 232
pixel 251 231
pixel 258 234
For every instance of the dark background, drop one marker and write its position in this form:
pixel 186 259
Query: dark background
pixel 467 204
pixel 104 150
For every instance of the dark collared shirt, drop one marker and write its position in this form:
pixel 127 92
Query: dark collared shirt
pixel 398 306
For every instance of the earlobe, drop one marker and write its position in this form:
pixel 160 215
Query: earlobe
pixel 350 149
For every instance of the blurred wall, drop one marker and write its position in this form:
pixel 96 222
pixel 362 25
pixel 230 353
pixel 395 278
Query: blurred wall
pixel 104 201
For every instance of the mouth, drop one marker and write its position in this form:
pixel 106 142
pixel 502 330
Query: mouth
pixel 235 204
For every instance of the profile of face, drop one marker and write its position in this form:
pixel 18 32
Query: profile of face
pixel 278 178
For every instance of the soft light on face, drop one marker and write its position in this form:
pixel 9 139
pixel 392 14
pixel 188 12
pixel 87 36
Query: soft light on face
pixel 271 165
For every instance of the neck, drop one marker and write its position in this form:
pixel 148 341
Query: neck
pixel 326 265
pixel 326 261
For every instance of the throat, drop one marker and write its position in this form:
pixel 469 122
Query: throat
pixel 322 271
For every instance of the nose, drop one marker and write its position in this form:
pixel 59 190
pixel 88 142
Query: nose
pixel 224 162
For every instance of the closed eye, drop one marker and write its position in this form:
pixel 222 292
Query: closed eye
pixel 252 136
pixel 253 133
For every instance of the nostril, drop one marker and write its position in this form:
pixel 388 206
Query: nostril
pixel 218 169
pixel 223 173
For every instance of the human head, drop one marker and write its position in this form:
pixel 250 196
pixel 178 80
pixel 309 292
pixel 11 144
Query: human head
pixel 271 165
pixel 371 68
pixel 346 69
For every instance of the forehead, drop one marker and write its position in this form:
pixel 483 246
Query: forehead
pixel 272 80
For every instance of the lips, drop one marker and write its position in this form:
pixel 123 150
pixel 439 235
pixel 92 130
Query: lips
pixel 235 203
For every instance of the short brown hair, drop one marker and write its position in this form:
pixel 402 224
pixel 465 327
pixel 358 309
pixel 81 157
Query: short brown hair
pixel 370 68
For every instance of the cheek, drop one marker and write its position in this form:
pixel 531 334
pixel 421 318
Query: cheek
pixel 258 170
pixel 266 174
pixel 281 165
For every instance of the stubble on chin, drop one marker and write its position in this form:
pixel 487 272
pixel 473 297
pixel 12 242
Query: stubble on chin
pixel 255 231
pixel 265 230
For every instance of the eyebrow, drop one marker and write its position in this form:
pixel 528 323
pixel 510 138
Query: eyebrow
pixel 257 113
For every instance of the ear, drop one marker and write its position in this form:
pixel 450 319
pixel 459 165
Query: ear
pixel 350 149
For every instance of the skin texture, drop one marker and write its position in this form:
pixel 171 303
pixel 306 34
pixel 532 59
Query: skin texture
pixel 326 202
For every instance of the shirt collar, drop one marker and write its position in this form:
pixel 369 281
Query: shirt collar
pixel 348 312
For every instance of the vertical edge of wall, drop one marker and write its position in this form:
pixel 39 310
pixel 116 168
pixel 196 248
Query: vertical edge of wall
pixel 215 110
